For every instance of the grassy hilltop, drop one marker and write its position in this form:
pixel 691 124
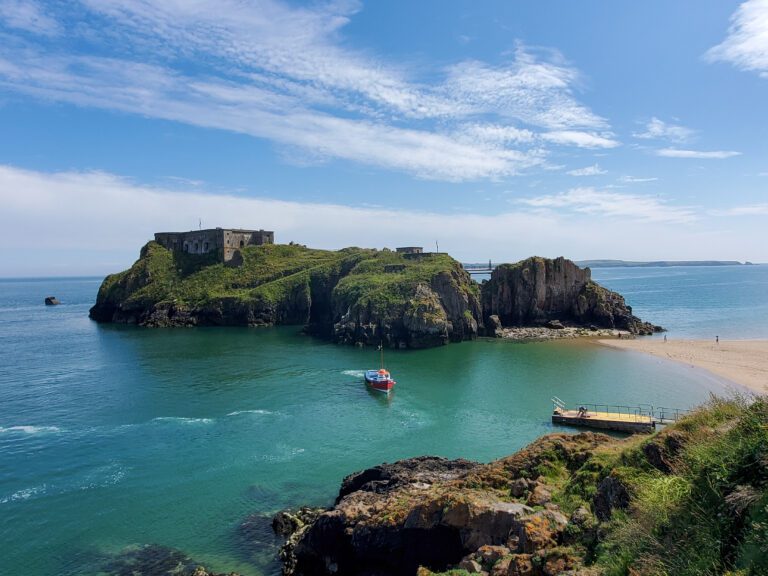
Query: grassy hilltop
pixel 375 294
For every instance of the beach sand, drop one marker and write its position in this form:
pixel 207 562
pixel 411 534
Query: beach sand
pixel 743 362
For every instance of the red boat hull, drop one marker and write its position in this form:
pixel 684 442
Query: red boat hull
pixel 385 386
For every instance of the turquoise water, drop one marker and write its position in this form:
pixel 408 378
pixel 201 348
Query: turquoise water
pixel 116 436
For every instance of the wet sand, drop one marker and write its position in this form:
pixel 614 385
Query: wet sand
pixel 744 362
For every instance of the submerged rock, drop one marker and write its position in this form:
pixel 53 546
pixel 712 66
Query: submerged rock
pixel 51 301
pixel 155 560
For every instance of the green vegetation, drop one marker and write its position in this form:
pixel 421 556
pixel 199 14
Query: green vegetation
pixel 379 284
pixel 273 284
pixel 268 273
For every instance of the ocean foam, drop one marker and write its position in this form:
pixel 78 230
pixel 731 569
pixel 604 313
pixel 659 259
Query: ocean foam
pixel 355 373
pixel 183 420
pixel 24 494
pixel 238 412
pixel 31 429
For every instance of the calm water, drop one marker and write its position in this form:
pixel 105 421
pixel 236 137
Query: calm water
pixel 116 436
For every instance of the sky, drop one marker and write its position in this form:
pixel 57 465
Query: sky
pixel 498 129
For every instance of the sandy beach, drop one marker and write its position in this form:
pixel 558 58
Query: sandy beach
pixel 743 362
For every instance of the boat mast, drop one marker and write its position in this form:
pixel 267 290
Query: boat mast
pixel 381 351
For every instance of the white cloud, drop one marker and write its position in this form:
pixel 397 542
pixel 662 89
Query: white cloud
pixel 698 154
pixel 746 210
pixel 75 207
pixel 635 179
pixel 613 205
pixel 285 74
pixel 746 45
pixel 657 129
pixel 27 15
pixel 593 170
pixel 580 139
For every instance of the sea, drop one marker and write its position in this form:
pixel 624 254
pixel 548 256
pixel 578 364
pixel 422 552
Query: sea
pixel 116 438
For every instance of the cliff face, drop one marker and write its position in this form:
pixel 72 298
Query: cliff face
pixel 538 290
pixel 690 500
pixel 443 308
pixel 352 295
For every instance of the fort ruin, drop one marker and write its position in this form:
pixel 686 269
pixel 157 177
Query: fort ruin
pixel 224 242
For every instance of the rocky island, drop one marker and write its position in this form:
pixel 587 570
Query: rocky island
pixel 357 295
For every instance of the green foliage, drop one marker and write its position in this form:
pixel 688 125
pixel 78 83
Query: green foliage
pixel 709 516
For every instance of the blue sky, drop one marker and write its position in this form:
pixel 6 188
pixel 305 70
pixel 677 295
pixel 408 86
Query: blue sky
pixel 501 129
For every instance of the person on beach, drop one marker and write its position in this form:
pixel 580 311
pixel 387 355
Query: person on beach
pixel 717 339
pixel 665 337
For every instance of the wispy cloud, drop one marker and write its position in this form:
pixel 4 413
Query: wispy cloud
pixel 593 170
pixel 581 139
pixel 746 45
pixel 27 15
pixel 285 74
pixel 613 205
pixel 697 154
pixel 635 179
pixel 657 129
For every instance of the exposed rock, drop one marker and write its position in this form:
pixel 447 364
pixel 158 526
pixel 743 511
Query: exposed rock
pixel 488 555
pixel 520 565
pixel 611 495
pixel 519 487
pixel 540 291
pixel 493 325
pixel 51 301
pixel 471 565
pixel 539 496
pixel 437 513
pixel 581 516
pixel 421 470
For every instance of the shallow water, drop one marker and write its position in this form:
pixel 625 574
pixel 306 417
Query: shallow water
pixel 113 436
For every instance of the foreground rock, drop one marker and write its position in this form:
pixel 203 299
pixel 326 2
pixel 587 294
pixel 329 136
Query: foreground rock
pixel 436 513
pixel 553 293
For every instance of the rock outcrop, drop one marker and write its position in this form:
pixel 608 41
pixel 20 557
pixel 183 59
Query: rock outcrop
pixel 444 309
pixel 540 291
pixel 51 301
pixel 436 513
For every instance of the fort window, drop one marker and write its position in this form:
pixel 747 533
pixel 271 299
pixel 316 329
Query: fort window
pixel 186 247
pixel 205 246
pixel 196 247
pixel 242 243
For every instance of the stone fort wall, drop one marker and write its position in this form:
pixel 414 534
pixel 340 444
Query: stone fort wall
pixel 224 242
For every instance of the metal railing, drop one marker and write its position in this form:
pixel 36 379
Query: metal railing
pixel 638 413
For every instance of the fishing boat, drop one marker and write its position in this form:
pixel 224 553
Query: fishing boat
pixel 380 379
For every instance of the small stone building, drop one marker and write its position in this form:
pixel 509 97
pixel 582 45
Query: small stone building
pixel 410 250
pixel 224 242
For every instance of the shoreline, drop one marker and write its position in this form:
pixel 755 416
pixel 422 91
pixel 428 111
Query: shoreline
pixel 743 362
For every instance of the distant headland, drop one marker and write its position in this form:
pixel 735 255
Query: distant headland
pixel 404 298
pixel 657 263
